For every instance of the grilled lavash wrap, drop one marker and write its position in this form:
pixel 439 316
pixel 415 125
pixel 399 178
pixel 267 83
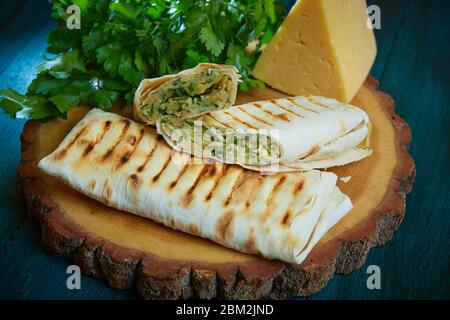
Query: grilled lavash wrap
pixel 288 134
pixel 190 93
pixel 125 165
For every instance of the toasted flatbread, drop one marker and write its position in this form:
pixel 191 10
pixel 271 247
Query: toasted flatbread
pixel 289 134
pixel 126 165
pixel 189 93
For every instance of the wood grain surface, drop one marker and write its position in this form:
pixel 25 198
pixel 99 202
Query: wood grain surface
pixel 412 65
pixel 129 251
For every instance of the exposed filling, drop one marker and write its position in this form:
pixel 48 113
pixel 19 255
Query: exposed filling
pixel 227 145
pixel 185 97
pixel 250 147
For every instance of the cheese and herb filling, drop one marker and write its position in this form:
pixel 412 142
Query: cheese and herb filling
pixel 190 93
pixel 253 147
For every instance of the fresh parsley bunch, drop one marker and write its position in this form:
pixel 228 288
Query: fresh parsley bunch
pixel 123 41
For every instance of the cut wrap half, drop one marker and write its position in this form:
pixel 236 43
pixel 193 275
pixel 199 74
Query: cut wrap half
pixel 289 134
pixel 125 165
pixel 205 88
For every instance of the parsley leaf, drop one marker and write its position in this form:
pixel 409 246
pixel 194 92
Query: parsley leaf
pixel 110 56
pixel 20 106
pixel 39 108
pixel 11 101
pixel 211 40
pixel 64 101
pixel 104 99
pixel 63 39
pixel 128 70
pixel 270 10
pixel 63 66
pixel 238 57
pixel 45 84
pixel 193 58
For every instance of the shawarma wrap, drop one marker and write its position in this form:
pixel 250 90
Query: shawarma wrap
pixel 288 134
pixel 125 165
pixel 192 92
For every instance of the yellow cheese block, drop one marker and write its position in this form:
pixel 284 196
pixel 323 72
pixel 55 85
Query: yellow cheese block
pixel 324 47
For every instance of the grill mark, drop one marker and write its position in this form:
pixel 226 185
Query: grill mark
pixel 319 104
pixel 91 185
pixel 250 243
pixel 91 145
pixel 248 125
pixel 277 117
pixel 63 152
pixel 180 174
pixel 287 109
pixel 253 192
pixel 122 134
pixel 286 218
pixel 107 191
pixel 222 123
pixel 212 171
pixel 216 182
pixel 88 149
pixel 233 189
pixel 284 117
pixel 166 163
pixel 298 187
pixel 147 158
pixel 193 229
pixel 274 190
pixel 134 180
pixel 255 117
pixel 127 155
pixel 301 106
pixel 132 139
pixel 202 173
pixel 189 196
pixel 123 160
pixel 224 227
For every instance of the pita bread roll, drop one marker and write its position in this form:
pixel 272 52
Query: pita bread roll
pixel 289 134
pixel 205 88
pixel 125 165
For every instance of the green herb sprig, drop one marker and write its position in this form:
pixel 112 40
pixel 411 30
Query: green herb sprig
pixel 120 42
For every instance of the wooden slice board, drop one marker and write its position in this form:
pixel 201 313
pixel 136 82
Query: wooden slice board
pixel 162 263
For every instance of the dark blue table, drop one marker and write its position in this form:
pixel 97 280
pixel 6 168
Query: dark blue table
pixel 413 65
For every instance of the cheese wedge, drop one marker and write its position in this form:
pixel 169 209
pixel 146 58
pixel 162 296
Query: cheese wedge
pixel 324 48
